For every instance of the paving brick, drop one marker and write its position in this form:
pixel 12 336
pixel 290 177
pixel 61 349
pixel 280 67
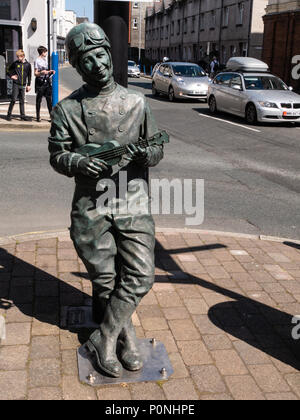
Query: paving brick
pixel 188 291
pixel 13 357
pixel 46 288
pixel 147 391
pixel 268 378
pixel 229 363
pixel 47 243
pixel 207 379
pixel 154 323
pixel 180 371
pixel 45 394
pixel 20 313
pixel 65 266
pixel 216 397
pixel 165 337
pixel 68 340
pixel 46 251
pixel 176 313
pixel 196 306
pixel 194 353
pixel 180 389
pixel 206 326
pixel 217 342
pixel 43 328
pixel 69 362
pixel 67 254
pixel 21 294
pixel 44 373
pixel 217 272
pixel 294 381
pixel 74 390
pixel 281 396
pixel 13 385
pixel 114 393
pixel 250 353
pixel 26 246
pixel 149 299
pixel 183 329
pixel 46 261
pixel 169 299
pixel 163 287
pixel 44 348
pixel 17 334
pixel 243 388
pixel 149 311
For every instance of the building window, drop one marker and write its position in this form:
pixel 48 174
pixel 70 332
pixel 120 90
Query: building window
pixel 232 51
pixel 10 10
pixel 172 27
pixel 213 19
pixel 167 31
pixel 243 49
pixel 202 21
pixel 240 16
pixel 185 25
pixel 178 26
pixel 193 24
pixel 162 32
pixel 134 23
pixel 226 16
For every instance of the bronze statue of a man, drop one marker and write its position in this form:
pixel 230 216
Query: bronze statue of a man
pixel 116 248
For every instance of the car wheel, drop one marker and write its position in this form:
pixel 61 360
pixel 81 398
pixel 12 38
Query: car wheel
pixel 154 91
pixel 171 94
pixel 251 114
pixel 213 105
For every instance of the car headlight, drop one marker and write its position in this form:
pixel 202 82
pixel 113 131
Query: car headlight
pixel 268 104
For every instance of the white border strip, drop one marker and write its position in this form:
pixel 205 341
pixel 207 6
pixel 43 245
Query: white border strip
pixel 229 122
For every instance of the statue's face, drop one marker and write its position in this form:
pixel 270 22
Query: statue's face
pixel 96 67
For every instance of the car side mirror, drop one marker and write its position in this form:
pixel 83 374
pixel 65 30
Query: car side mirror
pixel 167 74
pixel 237 87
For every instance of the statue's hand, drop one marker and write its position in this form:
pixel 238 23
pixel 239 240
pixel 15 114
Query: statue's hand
pixel 137 153
pixel 92 167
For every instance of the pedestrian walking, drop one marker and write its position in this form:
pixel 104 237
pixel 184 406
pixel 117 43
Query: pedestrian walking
pixel 43 84
pixel 214 67
pixel 20 73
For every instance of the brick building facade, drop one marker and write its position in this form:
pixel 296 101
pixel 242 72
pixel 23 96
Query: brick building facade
pixel 282 40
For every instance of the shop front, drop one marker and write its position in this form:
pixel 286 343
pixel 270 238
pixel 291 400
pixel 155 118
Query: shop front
pixel 10 41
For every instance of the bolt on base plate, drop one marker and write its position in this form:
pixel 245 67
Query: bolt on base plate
pixel 157 366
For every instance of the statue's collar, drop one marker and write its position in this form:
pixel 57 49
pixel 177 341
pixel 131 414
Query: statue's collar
pixel 94 91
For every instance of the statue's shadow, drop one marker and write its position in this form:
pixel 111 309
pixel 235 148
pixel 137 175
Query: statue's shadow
pixel 42 295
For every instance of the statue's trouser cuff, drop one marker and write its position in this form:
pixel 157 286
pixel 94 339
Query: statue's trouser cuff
pixel 104 241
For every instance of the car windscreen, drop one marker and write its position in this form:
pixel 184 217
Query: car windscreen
pixel 188 71
pixel 131 63
pixel 264 83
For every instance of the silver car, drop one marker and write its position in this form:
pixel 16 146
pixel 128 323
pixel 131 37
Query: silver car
pixel 255 96
pixel 180 81
pixel 133 69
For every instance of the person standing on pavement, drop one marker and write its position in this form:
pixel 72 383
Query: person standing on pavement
pixel 20 73
pixel 43 85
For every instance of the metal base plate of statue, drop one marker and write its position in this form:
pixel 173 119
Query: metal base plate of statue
pixel 157 366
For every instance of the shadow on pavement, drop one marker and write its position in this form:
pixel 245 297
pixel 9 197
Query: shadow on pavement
pixel 41 295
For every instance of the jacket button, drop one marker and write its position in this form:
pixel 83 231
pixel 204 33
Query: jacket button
pixel 123 97
pixel 92 131
pixel 122 112
pixel 92 113
pixel 121 128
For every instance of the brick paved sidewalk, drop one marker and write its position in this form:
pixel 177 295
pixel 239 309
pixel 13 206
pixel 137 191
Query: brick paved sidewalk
pixel 222 306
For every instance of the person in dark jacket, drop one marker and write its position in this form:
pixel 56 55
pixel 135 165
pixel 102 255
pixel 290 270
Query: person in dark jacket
pixel 43 85
pixel 20 73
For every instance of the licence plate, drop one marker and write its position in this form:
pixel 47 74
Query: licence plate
pixel 293 114
pixel 196 92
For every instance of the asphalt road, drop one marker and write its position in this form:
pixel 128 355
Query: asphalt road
pixel 251 174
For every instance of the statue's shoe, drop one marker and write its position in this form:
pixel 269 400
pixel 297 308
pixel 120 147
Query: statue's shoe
pixel 129 352
pixel 106 359
pixel 131 359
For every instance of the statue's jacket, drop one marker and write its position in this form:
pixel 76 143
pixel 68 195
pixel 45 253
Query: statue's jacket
pixel 87 116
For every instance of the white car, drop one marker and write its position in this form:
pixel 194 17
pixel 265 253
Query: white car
pixel 133 69
pixel 248 90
